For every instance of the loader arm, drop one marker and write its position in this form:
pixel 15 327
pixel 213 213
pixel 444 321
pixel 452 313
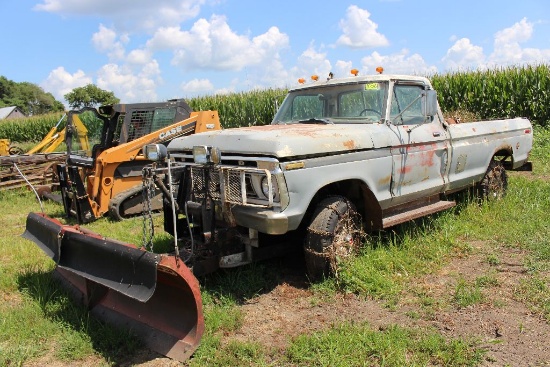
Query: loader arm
pixel 51 141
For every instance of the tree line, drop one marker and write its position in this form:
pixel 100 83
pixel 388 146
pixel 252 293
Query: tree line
pixel 33 100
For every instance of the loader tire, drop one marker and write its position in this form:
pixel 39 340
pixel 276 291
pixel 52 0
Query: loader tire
pixel 494 184
pixel 334 233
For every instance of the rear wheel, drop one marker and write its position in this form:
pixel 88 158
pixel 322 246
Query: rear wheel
pixel 334 233
pixel 495 182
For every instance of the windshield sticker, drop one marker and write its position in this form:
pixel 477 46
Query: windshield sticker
pixel 372 86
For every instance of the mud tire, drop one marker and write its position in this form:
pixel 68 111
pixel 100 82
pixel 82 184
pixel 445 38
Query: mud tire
pixel 334 233
pixel 494 184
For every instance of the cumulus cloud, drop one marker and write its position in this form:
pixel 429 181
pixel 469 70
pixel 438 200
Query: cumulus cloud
pixel 212 44
pixel 128 84
pixel 359 31
pixel 105 40
pixel 128 14
pixel 61 82
pixel 507 50
pixel 463 55
pixel 398 63
pixel 312 62
pixel 197 87
pixel 342 69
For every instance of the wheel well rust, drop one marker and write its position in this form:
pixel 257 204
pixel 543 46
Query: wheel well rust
pixel 359 193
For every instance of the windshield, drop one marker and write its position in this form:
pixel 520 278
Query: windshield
pixel 349 103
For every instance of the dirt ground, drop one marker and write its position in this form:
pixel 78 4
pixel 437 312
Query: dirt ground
pixel 509 330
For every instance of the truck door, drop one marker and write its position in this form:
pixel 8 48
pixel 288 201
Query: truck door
pixel 420 145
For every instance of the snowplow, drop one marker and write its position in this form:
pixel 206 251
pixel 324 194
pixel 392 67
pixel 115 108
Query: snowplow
pixel 156 296
pixel 107 178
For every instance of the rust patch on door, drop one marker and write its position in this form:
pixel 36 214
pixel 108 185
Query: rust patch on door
pixel 349 144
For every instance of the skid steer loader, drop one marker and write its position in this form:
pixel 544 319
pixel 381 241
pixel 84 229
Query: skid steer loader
pixel 106 179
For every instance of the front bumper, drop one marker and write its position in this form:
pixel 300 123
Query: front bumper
pixel 264 221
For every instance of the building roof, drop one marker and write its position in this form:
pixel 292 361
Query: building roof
pixel 6 111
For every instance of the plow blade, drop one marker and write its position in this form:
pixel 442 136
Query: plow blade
pixel 154 295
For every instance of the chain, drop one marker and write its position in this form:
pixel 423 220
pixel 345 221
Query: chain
pixel 148 192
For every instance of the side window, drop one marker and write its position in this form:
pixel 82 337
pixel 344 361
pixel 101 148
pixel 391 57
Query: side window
pixel 406 106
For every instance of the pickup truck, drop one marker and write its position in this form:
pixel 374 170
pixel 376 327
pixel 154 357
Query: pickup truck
pixel 341 157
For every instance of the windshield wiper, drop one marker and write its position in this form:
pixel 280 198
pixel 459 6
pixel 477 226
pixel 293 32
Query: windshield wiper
pixel 316 121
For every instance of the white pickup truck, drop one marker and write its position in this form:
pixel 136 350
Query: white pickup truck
pixel 377 146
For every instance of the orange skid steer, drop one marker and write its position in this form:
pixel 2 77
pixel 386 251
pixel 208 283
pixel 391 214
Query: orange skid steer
pixel 156 296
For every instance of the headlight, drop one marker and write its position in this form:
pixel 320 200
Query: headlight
pixel 266 187
pixel 203 154
pixel 155 152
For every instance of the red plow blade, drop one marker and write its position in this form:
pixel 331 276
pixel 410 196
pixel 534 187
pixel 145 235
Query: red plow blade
pixel 156 296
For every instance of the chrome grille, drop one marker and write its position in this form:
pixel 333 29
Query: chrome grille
pixel 198 182
pixel 234 186
pixel 227 184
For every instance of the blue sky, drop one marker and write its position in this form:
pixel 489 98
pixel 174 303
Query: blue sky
pixel 146 50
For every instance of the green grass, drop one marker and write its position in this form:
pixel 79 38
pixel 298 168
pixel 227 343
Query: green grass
pixel 359 345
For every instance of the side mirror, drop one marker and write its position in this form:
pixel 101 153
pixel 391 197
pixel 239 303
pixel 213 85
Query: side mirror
pixel 430 103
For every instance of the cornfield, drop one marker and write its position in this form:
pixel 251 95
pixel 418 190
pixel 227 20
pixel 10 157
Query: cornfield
pixel 498 93
pixel 31 129
pixel 256 107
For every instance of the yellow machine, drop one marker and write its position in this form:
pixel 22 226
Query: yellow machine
pixel 4 147
pixel 51 141
pixel 109 179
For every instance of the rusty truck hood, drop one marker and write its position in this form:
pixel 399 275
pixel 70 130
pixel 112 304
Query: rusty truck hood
pixel 284 140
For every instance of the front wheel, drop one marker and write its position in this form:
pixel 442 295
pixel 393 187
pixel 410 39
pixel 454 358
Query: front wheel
pixel 495 182
pixel 334 233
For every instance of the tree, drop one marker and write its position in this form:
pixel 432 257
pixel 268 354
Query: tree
pixel 29 97
pixel 90 96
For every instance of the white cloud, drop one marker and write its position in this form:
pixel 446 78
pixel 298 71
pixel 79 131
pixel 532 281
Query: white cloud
pixel 213 45
pixel 359 31
pixel 197 87
pixel 507 50
pixel 139 57
pixel 61 82
pixel 463 55
pixel 128 84
pixel 128 14
pixel 312 62
pixel 399 63
pixel 105 41
pixel 342 69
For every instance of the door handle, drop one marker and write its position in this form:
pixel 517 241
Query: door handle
pixel 436 134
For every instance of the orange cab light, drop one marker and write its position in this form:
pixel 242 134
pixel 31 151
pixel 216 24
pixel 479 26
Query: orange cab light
pixel 301 80
pixel 315 77
pixel 380 70
pixel 354 72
